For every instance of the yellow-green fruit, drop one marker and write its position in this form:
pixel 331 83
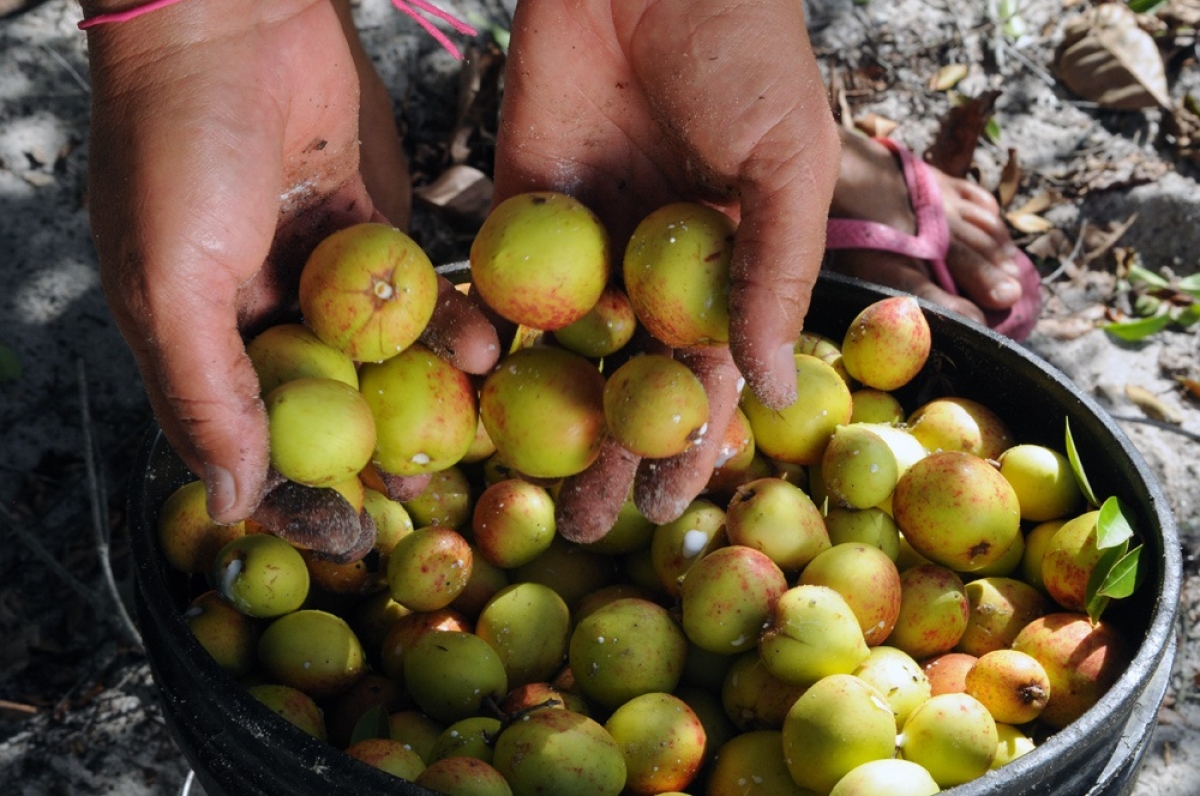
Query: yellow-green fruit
pixel 933 611
pixel 290 351
pixel 798 434
pixel 1011 684
pixel 897 676
pixel 655 406
pixel 295 706
pixel 463 776
pixel 388 755
pixel 751 764
pixel 322 431
pixel 1013 744
pixel 960 424
pixel 826 350
pixel 544 410
pixel 528 625
pixel 876 406
pixel 999 608
pixel 778 518
pixel 416 731
pixel 627 648
pixel 867 579
pixel 727 597
pixel 871 526
pixel 662 742
pixel 448 500
pixel 451 674
pixel 604 330
pixel 1043 480
pixel 424 408
pixel 513 522
pixel 957 510
pixel 368 290
pixel 469 737
pixel 858 467
pixel 560 752
pixel 952 736
pixel 429 567
pixel 813 633
pixel 1036 542
pixel 752 697
pixel 228 635
pixel 540 259
pixel 887 343
pixel 188 537
pixel 891 777
pixel 1069 559
pixel 677 545
pixel 837 725
pixel 314 651
pixel 261 575
pixel 676 272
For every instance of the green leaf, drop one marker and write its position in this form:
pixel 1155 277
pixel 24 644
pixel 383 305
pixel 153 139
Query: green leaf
pixel 10 365
pixel 1094 601
pixel 1138 273
pixel 1112 525
pixel 1144 6
pixel 992 131
pixel 1138 329
pixel 373 723
pixel 1186 316
pixel 1124 577
pixel 1190 284
pixel 1077 468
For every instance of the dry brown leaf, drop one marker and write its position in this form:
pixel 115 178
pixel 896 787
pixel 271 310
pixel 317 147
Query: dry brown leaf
pixel 1053 245
pixel 1152 405
pixel 1028 223
pixel 948 77
pixel 1098 241
pixel 1107 58
pixel 1038 203
pixel 954 149
pixel 1191 385
pixel 1071 327
pixel 463 190
pixel 875 125
pixel 1010 179
pixel 1181 129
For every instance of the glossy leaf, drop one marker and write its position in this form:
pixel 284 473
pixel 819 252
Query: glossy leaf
pixel 1139 328
pixel 1112 525
pixel 1124 577
pixel 1077 467
pixel 1095 601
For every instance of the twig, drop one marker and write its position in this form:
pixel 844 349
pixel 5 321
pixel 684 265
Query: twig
pixel 1165 426
pixel 35 547
pixel 100 526
pixel 71 70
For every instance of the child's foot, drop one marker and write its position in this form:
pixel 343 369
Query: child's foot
pixel 981 259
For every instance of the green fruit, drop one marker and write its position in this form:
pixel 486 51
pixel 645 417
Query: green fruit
pixel 295 706
pixel 752 697
pixel 558 751
pixel 416 731
pixel 999 608
pixel 368 290
pixel 676 272
pixel 727 597
pixel 952 736
pixel 813 633
pixel 424 409
pixel 662 742
pixel 388 755
pixel 778 518
pixel 322 431
pixel 448 500
pixel 290 351
pixel 570 569
pixel 1069 559
pixel 799 433
pixel 655 406
pixel 933 611
pixel 898 677
pixel 544 410
pixel 313 651
pixel 450 674
pixel 1043 480
pixel 751 764
pixel 528 625
pixel 261 575
pixel 188 537
pixel 957 510
pixel 228 635
pixel 1013 744
pixel 463 776
pixel 960 424
pixel 837 725
pixel 429 568
pixel 867 579
pixel 604 330
pixel 893 777
pixel 676 546
pixel 876 406
pixel 872 526
pixel 540 260
pixel 1036 542
pixel 887 343
pixel 470 737
pixel 624 649
pixel 858 467
pixel 513 522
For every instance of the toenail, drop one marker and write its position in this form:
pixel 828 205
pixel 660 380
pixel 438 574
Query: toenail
pixel 1006 292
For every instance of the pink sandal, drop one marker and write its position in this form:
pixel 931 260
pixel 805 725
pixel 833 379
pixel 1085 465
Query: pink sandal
pixel 931 243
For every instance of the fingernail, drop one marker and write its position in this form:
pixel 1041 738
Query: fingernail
pixel 222 490
pixel 1006 292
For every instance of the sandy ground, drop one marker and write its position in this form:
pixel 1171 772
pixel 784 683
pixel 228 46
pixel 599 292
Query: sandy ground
pixel 78 713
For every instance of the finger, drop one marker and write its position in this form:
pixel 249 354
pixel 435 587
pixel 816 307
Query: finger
pixel 460 333
pixel 589 502
pixel 664 488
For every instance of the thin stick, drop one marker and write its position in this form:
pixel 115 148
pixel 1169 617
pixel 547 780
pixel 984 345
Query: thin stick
pixel 100 526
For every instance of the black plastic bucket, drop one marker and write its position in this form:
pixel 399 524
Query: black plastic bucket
pixel 237 746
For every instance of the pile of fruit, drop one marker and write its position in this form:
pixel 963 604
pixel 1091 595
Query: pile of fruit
pixel 867 598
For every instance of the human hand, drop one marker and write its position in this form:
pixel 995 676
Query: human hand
pixel 630 105
pixel 224 146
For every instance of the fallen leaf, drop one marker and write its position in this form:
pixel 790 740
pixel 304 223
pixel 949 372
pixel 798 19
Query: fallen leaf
pixel 876 126
pixel 1100 241
pixel 954 148
pixel 1152 405
pixel 1028 223
pixel 1191 385
pixel 1010 179
pixel 1181 129
pixel 463 190
pixel 948 77
pixel 1107 58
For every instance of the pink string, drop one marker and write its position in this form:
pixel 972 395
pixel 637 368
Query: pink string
pixel 125 16
pixel 409 7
